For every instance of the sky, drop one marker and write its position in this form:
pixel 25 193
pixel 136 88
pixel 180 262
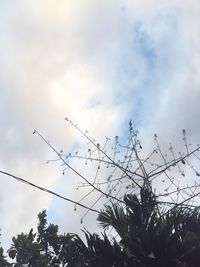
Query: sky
pixel 100 63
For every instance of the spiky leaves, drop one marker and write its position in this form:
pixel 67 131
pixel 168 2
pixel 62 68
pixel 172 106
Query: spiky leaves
pixel 152 237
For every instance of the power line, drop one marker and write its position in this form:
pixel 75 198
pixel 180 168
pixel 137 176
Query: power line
pixel 19 179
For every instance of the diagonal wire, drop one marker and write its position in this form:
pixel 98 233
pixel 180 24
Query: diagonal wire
pixel 19 179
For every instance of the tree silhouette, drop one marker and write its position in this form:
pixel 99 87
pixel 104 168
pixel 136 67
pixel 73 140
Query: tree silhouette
pixel 148 236
pixel 125 168
pixel 147 208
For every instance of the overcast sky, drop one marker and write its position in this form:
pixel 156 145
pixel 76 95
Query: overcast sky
pixel 101 63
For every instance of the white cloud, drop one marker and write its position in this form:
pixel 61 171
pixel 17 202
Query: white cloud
pixel 100 63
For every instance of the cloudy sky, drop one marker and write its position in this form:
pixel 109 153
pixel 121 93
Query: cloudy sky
pixel 101 63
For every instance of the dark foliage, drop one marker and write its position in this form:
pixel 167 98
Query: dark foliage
pixel 148 236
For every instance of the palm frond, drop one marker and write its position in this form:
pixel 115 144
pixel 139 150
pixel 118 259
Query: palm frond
pixel 114 216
